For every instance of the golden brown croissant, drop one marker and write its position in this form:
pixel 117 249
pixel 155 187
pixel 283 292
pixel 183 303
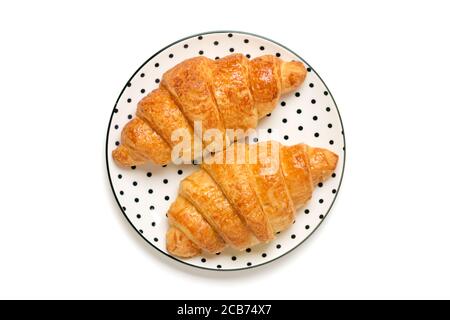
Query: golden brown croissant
pixel 240 204
pixel 228 93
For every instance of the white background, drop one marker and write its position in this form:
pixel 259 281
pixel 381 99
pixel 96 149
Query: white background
pixel 62 67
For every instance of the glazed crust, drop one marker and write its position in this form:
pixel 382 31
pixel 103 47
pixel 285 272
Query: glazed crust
pixel 183 215
pixel 140 143
pixel 201 190
pixel 242 203
pixel 265 79
pixel 162 114
pixel 231 92
pixel 271 189
pixel 239 190
pixel 190 86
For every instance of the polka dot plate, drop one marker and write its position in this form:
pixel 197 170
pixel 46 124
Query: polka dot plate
pixel 309 115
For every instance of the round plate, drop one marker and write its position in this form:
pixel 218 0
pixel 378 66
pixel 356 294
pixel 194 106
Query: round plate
pixel 309 115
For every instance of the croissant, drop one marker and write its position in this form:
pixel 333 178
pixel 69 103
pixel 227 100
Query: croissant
pixel 239 205
pixel 229 93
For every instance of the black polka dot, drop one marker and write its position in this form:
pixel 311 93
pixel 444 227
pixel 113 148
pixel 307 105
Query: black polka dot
pixel 321 216
pixel 299 111
pixel 117 143
pixel 330 125
pixel 261 48
pixel 200 52
pixel 311 85
pixel 150 191
pixel 134 183
pixel 320 200
pixel 129 84
pixel 142 90
pixel 308 69
pixel 155 239
pixel 230 35
pixel 331 142
pixel 248 250
pixel 141 231
pixel 297 94
pixel 300 128
pixel 278 246
pixel 136 200
pixel 216 43
pixel 200 38
pixel 203 260
pixel 156 65
pixel 116 110
pixel 124 209
pixel 249 264
pixel 306 211
pixel 278 54
pixel 307 227
pixel 130 116
pixel 283 103
pixel 264 255
pixel 149 174
pixel 316 134
pixel 248 56
pixel 171 55
pixel 142 75
pixel 217 58
pixel 129 100
pixel 180 172
pixel 233 258
pixel 165 181
pixel 186 46
pixel 320 184
pixel 245 40
pixel 328 109
pixel 152 207
pixel 313 101
pixel 333 191
pixel 219 266
pixel 325 93
pixel 119 176
pixel 255 139
pixel 293 236
pixel 286 137
pixel 315 118
pixel 284 120
pixel 166 198
pixel 157 80
pixel 333 175
pixel 121 193
pixel 153 224
pixel 231 49
pixel 138 216
pixel 269 130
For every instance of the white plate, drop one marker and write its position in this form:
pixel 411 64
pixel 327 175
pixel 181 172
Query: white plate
pixel 308 115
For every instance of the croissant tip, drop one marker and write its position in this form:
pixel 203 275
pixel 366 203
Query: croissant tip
pixel 293 73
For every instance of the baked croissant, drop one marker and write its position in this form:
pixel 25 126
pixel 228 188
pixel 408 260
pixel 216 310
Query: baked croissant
pixel 238 204
pixel 229 93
